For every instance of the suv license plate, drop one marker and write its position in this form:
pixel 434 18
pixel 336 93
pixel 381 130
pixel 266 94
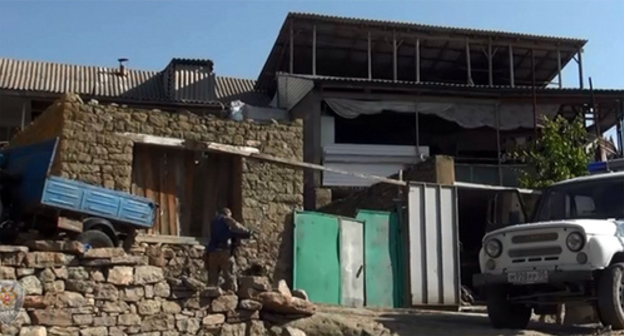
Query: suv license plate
pixel 531 277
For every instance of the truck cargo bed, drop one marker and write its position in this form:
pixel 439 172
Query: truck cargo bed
pixel 37 189
pixel 74 196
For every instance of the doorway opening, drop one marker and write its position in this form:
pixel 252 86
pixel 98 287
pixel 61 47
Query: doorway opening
pixel 189 187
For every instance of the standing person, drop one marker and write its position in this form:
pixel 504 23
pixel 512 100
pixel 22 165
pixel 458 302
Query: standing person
pixel 224 230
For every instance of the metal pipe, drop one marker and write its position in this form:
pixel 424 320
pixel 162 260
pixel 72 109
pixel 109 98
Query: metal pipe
pixel 498 144
pixel 596 118
pixel 395 73
pixel 534 93
pixel 314 50
pixel 580 67
pixel 417 133
pixel 469 68
pixel 490 66
pixel 619 128
pixel 370 63
pixel 559 69
pixel 291 53
pixel 417 56
pixel 23 115
pixel 512 80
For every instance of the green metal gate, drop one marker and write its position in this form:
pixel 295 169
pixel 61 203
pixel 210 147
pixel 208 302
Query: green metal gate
pixel 383 257
pixel 347 261
pixel 316 265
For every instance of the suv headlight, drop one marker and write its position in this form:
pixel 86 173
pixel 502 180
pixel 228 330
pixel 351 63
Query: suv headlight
pixel 575 241
pixel 493 248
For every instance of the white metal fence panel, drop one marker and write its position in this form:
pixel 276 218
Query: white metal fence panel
pixel 433 245
pixel 352 262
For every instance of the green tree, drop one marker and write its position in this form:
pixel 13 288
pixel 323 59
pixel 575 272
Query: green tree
pixel 561 152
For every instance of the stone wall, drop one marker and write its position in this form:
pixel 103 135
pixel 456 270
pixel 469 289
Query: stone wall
pixel 106 292
pixel 92 151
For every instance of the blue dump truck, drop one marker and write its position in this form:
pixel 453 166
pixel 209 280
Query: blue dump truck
pixel 53 206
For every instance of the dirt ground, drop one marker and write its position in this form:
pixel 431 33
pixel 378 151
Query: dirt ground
pixel 434 323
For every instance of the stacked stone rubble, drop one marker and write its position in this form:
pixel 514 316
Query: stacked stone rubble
pixel 106 292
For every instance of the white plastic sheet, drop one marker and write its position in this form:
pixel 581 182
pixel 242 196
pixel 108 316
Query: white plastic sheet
pixel 511 116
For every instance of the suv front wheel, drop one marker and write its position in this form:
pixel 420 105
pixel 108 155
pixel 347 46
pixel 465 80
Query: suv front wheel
pixel 611 296
pixel 502 313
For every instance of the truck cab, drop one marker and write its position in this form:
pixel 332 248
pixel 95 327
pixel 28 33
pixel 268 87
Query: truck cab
pixel 572 252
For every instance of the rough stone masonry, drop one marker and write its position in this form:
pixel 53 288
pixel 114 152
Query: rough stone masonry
pixel 92 151
pixel 107 292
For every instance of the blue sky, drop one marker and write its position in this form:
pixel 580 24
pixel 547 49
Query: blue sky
pixel 238 35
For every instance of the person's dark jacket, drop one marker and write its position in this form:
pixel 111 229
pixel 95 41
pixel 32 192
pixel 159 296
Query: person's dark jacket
pixel 224 230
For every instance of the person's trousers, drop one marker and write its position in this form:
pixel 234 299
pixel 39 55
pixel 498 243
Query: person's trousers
pixel 222 263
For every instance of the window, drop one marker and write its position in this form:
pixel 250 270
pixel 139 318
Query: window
pixel 598 199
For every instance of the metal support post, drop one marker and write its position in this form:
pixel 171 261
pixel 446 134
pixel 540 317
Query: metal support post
pixel 580 67
pixel 469 68
pixel 534 94
pixel 498 145
pixel 314 50
pixel 512 80
pixel 559 76
pixel 490 66
pixel 292 49
pixel 417 56
pixel 395 72
pixel 370 61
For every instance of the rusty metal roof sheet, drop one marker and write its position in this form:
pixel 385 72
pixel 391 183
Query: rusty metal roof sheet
pixel 50 77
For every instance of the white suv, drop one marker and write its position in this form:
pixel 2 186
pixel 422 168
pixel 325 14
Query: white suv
pixel 573 252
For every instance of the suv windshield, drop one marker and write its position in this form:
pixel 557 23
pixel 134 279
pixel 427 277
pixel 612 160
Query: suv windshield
pixel 598 199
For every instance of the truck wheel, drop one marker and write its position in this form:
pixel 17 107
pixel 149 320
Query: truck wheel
pixel 502 314
pixel 611 296
pixel 95 239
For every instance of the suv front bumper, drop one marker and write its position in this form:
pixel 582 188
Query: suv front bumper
pixel 483 279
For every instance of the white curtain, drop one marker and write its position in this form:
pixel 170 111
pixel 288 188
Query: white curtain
pixel 511 116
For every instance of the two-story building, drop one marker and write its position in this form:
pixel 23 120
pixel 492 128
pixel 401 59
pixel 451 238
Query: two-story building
pixel 375 95
pixel 378 95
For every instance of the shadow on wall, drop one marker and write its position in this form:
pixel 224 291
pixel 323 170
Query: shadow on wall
pixel 284 263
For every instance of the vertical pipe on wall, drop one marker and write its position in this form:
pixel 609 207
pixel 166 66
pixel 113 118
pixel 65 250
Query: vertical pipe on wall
pixel 291 53
pixel 512 80
pixel 559 76
pixel 395 73
pixel 469 68
pixel 580 67
pixel 417 56
pixel 314 50
pixel 370 61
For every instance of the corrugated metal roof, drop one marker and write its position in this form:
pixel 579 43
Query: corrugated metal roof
pixel 441 85
pixel 230 89
pixel 418 26
pixel 278 56
pixel 50 77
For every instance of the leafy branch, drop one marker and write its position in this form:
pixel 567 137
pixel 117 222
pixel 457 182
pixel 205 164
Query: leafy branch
pixel 561 152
